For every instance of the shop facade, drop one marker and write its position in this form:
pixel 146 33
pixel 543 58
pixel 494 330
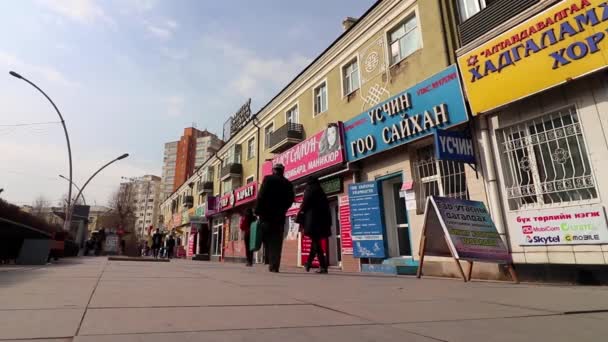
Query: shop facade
pixel 392 146
pixel 544 141
pixel 320 156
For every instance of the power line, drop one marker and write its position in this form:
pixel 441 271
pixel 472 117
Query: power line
pixel 32 124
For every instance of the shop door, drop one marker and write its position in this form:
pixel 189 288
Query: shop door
pixel 216 238
pixel 334 249
pixel 395 219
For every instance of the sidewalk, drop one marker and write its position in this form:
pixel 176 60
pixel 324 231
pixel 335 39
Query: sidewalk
pixel 93 299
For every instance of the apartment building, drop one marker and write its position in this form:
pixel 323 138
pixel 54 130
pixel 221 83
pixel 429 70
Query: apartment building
pixel 182 157
pixel 145 194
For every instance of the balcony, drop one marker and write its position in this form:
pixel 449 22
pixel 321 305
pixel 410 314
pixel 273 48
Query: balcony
pixel 232 170
pixel 188 202
pixel 497 12
pixel 285 137
pixel 205 187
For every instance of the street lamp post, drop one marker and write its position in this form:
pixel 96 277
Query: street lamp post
pixel 77 188
pixel 123 156
pixel 66 223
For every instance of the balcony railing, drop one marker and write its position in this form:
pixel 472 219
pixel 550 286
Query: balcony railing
pixel 490 17
pixel 188 201
pixel 285 137
pixel 231 170
pixel 205 187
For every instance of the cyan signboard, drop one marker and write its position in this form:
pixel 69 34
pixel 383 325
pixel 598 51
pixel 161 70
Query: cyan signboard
pixel 437 102
pixel 366 220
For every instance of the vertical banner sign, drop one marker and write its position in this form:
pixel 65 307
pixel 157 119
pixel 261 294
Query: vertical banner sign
pixel 345 225
pixel 566 41
pixel 454 146
pixel 366 220
pixel 192 244
pixel 437 102
pixel 305 247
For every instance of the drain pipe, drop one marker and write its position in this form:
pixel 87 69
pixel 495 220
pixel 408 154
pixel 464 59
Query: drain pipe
pixel 487 157
pixel 257 152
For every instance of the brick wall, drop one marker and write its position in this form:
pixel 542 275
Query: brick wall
pixel 289 257
pixel 350 263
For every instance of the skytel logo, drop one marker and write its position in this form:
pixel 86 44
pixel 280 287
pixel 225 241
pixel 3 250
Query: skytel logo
pixel 544 239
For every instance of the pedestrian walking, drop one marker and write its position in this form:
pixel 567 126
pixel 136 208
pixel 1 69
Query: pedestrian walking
pixel 170 246
pixel 246 222
pixel 274 199
pixel 157 241
pixel 315 217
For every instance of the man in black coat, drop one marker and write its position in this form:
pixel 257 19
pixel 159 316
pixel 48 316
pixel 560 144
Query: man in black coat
pixel 274 199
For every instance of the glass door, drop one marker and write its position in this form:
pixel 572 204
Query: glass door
pixel 397 228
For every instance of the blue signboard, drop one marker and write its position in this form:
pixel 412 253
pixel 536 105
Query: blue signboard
pixel 437 102
pixel 455 146
pixel 366 220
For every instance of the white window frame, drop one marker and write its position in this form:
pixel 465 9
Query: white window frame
pixel 323 83
pixel 343 67
pixel 293 109
pixel 462 9
pixel 267 135
pixel 402 21
pixel 251 152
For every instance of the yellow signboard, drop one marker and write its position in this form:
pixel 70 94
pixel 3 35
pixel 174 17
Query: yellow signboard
pixel 567 41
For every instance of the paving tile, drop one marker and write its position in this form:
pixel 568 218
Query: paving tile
pixel 23 324
pixel 36 293
pixel 562 328
pixel 147 320
pixel 366 333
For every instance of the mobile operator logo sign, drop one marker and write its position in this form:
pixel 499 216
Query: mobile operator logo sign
pixel 561 43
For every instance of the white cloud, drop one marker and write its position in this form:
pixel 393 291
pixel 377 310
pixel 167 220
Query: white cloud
pixel 175 105
pixel 175 54
pixel 83 11
pixel 163 30
pixel 11 62
pixel 172 24
pixel 23 186
pixel 159 32
pixel 142 5
pixel 258 75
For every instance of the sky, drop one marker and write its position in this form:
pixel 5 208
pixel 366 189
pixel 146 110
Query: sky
pixel 129 75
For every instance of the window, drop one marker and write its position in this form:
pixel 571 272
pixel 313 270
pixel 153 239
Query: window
pixel 320 98
pixel 235 230
pixel 469 8
pixel 437 178
pixel 545 162
pixel 251 148
pixel 267 132
pixel 291 116
pixel 404 39
pixel 250 179
pixel 350 77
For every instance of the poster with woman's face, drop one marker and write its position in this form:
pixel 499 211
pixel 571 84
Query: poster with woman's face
pixel 330 140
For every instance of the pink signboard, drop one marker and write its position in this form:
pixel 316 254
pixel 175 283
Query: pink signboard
pixel 226 201
pixel 245 194
pixel 295 207
pixel 345 227
pixel 192 245
pixel 323 150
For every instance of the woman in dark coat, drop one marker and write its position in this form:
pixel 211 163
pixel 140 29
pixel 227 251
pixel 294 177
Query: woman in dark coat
pixel 315 217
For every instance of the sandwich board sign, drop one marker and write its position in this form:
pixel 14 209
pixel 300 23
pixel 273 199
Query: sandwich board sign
pixel 463 230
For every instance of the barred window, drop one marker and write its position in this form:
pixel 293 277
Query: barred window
pixel 437 178
pixel 546 162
